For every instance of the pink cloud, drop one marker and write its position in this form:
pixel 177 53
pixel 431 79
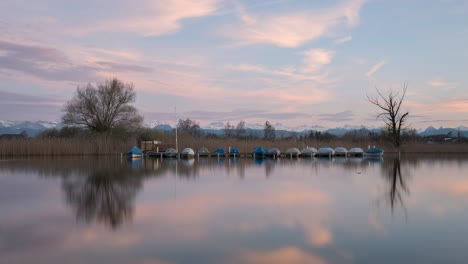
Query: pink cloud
pixel 153 18
pixel 294 29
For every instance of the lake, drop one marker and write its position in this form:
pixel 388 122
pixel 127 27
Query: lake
pixel 357 210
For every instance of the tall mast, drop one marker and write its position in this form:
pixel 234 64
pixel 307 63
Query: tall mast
pixel 175 115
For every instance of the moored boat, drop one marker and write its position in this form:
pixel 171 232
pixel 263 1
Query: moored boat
pixel 219 152
pixel 325 152
pixel 259 152
pixel 293 152
pixel 273 152
pixel 170 153
pixel 203 152
pixel 340 151
pixel 234 152
pixel 374 152
pixel 135 152
pixel 187 153
pixel 308 152
pixel 355 152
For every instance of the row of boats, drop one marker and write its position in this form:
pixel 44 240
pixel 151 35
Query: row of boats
pixel 260 152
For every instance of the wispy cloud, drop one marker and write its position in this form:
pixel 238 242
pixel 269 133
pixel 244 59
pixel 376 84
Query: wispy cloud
pixel 316 58
pixel 375 68
pixel 152 18
pixel 343 40
pixel 443 84
pixel 294 29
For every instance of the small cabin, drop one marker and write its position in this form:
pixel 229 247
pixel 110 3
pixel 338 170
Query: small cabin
pixel 153 145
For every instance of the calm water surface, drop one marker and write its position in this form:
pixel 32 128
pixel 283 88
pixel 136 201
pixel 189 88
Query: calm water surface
pixel 108 210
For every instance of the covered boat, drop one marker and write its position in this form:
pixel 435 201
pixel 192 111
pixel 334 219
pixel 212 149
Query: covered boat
pixel 259 152
pixel 273 152
pixel 325 152
pixel 203 152
pixel 355 152
pixel 234 152
pixel 187 153
pixel 293 152
pixel 170 153
pixel 340 151
pixel 375 152
pixel 219 152
pixel 134 152
pixel 308 152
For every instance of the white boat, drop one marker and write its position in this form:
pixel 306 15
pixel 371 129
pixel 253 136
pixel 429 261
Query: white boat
pixel 170 153
pixel 203 152
pixel 293 152
pixel 325 152
pixel 308 152
pixel 187 153
pixel 274 152
pixel 356 152
pixel 340 151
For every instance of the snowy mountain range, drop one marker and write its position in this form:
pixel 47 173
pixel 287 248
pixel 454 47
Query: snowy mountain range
pixel 33 128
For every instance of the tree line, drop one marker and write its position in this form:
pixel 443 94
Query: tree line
pixel 107 108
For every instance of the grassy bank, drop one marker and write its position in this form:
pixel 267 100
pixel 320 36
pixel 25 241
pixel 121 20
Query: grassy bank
pixel 105 145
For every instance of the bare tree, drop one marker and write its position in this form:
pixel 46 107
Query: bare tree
pixel 269 131
pixel 190 126
pixel 228 130
pixel 103 107
pixel 240 130
pixel 391 113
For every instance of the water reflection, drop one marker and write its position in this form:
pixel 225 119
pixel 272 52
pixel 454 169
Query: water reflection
pixel 397 185
pixel 235 211
pixel 104 195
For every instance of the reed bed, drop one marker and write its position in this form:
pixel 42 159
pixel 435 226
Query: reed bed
pixel 105 145
pixel 64 146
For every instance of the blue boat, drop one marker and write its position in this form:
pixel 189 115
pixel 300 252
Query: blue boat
pixel 134 152
pixel 219 151
pixel 259 152
pixel 234 152
pixel 375 152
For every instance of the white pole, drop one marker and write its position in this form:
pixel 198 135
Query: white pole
pixel 175 114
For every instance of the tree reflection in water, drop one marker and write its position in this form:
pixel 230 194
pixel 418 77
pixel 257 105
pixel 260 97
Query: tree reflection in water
pixel 106 195
pixel 397 187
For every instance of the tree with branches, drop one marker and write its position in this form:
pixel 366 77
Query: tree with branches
pixel 269 131
pixel 103 107
pixel 390 111
pixel 240 130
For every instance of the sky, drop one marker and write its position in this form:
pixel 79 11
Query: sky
pixel 292 62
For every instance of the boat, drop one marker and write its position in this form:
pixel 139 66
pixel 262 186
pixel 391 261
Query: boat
pixel 259 152
pixel 374 152
pixel 219 152
pixel 355 152
pixel 187 153
pixel 203 152
pixel 273 152
pixel 293 152
pixel 308 152
pixel 135 152
pixel 340 151
pixel 170 153
pixel 325 152
pixel 234 152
